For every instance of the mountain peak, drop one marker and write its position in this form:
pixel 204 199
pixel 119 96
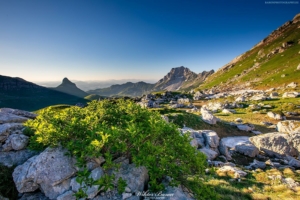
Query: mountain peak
pixel 66 81
pixel 297 16
pixel 70 88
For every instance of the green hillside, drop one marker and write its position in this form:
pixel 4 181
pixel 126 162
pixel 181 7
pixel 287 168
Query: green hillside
pixel 271 63
pixel 92 97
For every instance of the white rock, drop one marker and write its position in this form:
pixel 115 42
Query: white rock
pixel 256 132
pixel 259 97
pixel 274 144
pixel 15 142
pixel 240 99
pixel 239 120
pixel 228 111
pixel 207 116
pixel 290 94
pixel 292 85
pixel 237 172
pixel 288 126
pixel 275 116
pixel 15 157
pixel 69 195
pixel 49 171
pixel 244 127
pixel 231 142
pixel 6 129
pixel 11 118
pixel 210 154
pixel 247 149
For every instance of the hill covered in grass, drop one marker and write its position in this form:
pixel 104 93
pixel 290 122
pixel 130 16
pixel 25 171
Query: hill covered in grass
pixel 273 62
pixel 21 94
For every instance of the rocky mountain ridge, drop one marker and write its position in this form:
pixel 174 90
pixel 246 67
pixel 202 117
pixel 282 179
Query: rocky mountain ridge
pixel 179 78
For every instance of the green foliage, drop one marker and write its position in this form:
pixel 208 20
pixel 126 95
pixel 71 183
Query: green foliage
pixel 120 129
pixel 7 185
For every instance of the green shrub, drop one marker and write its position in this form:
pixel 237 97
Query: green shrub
pixel 122 128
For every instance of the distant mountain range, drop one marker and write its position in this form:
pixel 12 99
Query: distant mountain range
pixel 179 78
pixel 126 89
pixel 21 94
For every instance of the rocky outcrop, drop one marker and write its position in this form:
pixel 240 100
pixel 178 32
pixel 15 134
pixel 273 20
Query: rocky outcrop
pixel 290 94
pixel 210 154
pixel 8 128
pixel 12 140
pixel 12 158
pixel 231 171
pixel 275 116
pixel 247 149
pixel 207 116
pixel 15 142
pixel 274 144
pixel 50 171
pixel 288 126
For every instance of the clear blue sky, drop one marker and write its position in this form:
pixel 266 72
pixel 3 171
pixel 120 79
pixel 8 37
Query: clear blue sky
pixel 46 40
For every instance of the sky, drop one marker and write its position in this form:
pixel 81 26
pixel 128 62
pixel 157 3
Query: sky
pixel 47 40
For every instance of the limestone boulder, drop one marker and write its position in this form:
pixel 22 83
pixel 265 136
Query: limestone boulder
pixel 288 126
pixel 207 116
pixel 11 118
pixel 12 158
pixel 290 94
pixel 231 171
pixel 247 149
pixel 7 129
pixel 22 113
pixel 15 142
pixel 274 144
pixel 91 191
pixel 50 171
pixel 210 154
pixel 211 138
pixel 275 116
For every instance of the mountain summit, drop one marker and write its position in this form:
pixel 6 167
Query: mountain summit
pixel 70 88
pixel 181 78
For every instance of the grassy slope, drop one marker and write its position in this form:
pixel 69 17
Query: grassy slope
pixel 270 71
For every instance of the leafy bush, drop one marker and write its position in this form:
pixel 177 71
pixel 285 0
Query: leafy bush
pixel 122 128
